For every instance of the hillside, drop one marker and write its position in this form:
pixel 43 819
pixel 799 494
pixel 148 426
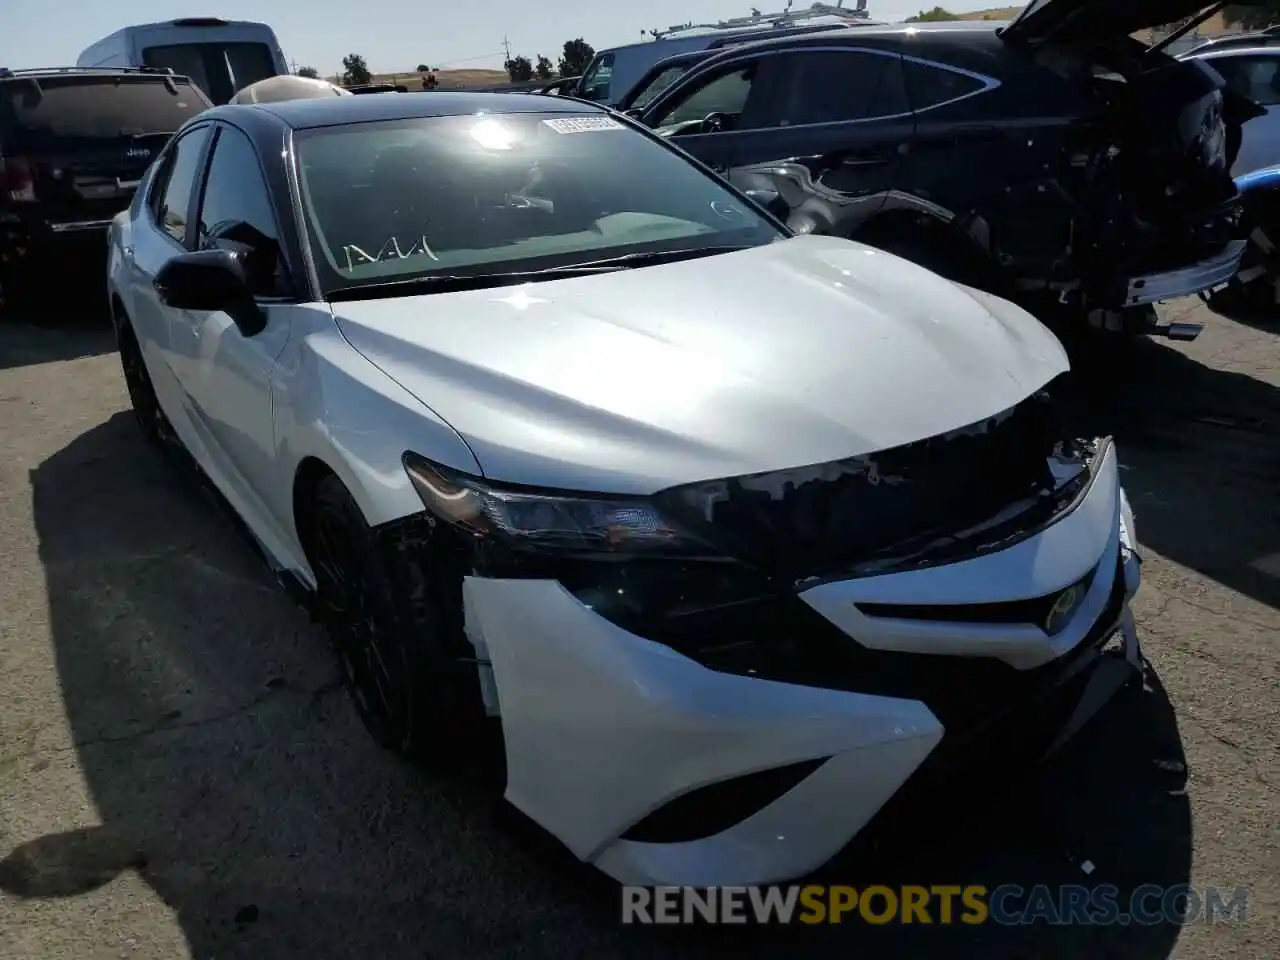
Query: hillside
pixel 999 13
pixel 1210 28
pixel 449 79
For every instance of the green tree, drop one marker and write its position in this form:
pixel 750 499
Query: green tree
pixel 544 68
pixel 423 68
pixel 1255 16
pixel 932 16
pixel 519 69
pixel 355 70
pixel 577 54
pixel 311 72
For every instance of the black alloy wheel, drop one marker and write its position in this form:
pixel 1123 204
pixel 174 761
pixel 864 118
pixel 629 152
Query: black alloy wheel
pixel 142 395
pixel 356 616
pixel 412 697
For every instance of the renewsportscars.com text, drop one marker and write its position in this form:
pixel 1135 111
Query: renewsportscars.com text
pixel 1006 905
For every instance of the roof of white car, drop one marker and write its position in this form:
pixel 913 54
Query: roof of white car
pixel 334 111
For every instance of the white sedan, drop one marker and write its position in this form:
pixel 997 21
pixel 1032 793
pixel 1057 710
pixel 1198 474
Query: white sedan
pixel 735 536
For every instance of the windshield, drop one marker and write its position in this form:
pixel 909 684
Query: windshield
pixel 483 194
pixel 219 69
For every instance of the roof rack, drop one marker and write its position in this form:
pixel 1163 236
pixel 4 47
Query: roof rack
pixel 783 18
pixel 45 71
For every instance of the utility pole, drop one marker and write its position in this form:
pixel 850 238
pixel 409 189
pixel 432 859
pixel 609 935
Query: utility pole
pixel 506 45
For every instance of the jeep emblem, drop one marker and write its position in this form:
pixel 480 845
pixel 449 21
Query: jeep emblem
pixel 137 152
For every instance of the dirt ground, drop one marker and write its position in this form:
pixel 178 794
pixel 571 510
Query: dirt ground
pixel 180 777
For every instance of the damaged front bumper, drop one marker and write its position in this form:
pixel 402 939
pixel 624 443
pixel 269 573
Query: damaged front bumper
pixel 661 770
pixel 1186 281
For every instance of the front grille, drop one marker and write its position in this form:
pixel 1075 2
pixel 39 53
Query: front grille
pixel 823 520
pixel 784 639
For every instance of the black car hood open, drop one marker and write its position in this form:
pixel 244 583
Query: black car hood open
pixel 1091 21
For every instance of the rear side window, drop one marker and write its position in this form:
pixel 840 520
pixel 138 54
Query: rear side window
pixel 1257 78
pixel 97 107
pixel 833 86
pixel 175 183
pixel 219 69
pixel 930 86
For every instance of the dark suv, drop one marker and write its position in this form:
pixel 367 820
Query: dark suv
pixel 73 144
pixel 1055 160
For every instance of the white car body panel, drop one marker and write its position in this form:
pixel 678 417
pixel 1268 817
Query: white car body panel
pixel 636 381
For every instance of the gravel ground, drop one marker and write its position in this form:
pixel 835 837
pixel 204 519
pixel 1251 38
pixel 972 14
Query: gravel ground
pixel 180 777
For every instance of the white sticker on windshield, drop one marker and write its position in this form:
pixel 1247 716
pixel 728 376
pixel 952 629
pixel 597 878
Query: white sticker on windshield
pixel 582 124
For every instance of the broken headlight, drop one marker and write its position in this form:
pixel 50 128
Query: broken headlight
pixel 620 556
pixel 550 521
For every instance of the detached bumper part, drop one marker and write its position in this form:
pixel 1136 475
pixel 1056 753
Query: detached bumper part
pixel 1186 281
pixel 603 727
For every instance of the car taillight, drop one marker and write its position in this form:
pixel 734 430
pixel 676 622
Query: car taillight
pixel 17 179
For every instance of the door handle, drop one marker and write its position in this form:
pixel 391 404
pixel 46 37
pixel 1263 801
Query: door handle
pixel 864 160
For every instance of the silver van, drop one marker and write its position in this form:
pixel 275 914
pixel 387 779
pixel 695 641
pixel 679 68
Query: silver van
pixel 221 57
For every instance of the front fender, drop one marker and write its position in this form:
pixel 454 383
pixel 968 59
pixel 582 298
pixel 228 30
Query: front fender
pixel 331 404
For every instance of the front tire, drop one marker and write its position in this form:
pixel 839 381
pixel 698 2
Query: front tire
pixel 411 690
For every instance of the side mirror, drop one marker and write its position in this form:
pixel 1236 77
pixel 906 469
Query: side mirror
pixel 211 280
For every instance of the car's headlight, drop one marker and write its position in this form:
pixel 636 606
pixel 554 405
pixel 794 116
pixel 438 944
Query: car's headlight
pixel 563 523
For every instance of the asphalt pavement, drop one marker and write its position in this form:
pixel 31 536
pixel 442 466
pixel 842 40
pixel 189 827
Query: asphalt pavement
pixel 180 775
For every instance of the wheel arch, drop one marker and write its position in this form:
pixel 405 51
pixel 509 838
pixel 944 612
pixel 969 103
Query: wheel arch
pixel 956 247
pixel 307 477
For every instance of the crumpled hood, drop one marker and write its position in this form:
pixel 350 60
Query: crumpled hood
pixel 1094 21
pixel 800 352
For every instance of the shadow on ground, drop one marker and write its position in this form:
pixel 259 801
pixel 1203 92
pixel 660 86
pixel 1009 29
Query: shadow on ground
pixel 1201 452
pixel 66 321
pixel 233 777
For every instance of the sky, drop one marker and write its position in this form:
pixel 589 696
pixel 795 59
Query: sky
pixel 392 35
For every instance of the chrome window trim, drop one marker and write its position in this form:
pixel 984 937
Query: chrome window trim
pixel 988 83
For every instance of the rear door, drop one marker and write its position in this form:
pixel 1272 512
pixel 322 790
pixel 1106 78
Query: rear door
pixel 830 142
pixel 161 229
pixel 90 136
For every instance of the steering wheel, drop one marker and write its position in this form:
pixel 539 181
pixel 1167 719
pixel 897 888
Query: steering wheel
pixel 714 122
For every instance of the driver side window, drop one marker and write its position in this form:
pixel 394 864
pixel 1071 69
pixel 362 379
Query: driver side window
pixel 236 213
pixel 726 92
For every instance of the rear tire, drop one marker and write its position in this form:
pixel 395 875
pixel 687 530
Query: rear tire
pixel 142 395
pixel 409 687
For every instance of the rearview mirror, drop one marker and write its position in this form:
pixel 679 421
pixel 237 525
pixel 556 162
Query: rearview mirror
pixel 211 280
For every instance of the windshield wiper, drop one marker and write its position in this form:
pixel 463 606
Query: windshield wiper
pixel 660 256
pixel 453 283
